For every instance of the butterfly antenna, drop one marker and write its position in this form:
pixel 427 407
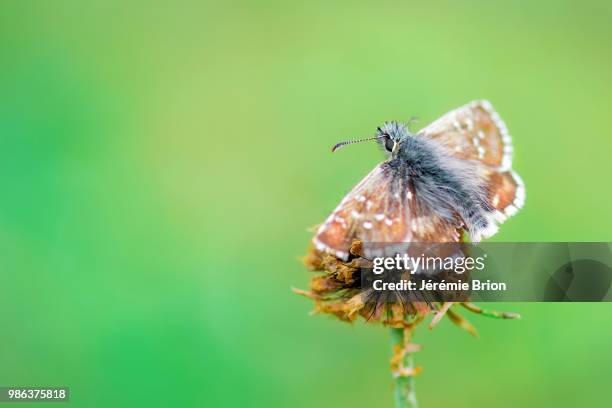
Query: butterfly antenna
pixel 348 142
pixel 411 121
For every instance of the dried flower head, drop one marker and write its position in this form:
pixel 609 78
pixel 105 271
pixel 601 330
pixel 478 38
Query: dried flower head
pixel 336 290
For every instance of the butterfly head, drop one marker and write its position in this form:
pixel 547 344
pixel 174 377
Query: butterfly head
pixel 391 136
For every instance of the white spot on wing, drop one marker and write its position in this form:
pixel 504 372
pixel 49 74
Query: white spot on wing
pixel 319 245
pixel 414 226
pixel 342 255
pixel 495 200
pixel 511 210
pixel 499 216
pixel 506 162
pixel 326 248
pixel 519 198
pixel 469 123
pixel 486 232
pixel 481 152
pixel 340 220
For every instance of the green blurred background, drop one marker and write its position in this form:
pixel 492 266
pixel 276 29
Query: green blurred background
pixel 161 161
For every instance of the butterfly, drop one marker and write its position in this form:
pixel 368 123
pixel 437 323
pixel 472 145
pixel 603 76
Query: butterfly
pixel 453 177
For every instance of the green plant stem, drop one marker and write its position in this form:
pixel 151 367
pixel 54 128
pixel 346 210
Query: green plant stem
pixel 405 396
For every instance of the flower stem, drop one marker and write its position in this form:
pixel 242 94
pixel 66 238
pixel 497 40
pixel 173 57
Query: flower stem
pixel 405 396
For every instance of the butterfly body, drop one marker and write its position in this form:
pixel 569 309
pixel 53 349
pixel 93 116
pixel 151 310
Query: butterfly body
pixel 452 176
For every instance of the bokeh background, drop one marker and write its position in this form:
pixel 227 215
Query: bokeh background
pixel 160 163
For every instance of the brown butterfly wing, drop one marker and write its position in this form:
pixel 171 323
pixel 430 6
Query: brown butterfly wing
pixel 476 132
pixel 383 208
pixel 505 192
pixel 473 132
